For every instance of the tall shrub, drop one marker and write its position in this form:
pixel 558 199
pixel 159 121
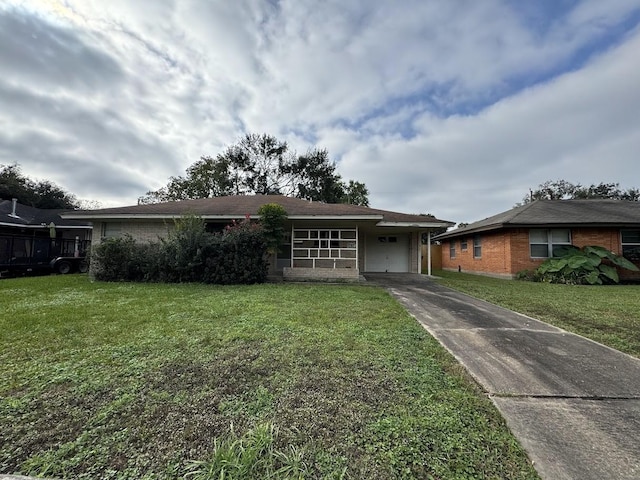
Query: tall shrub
pixel 237 255
pixel 272 218
pixel 181 256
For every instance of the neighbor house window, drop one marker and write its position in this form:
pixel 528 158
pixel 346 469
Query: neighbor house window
pixel 452 249
pixel 631 245
pixel 463 244
pixel 543 242
pixel 477 246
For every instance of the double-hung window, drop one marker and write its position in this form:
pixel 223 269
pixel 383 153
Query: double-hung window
pixel 631 245
pixel 543 242
pixel 452 249
pixel 477 246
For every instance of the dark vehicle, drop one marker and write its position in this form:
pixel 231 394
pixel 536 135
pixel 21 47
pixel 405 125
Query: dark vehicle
pixel 27 255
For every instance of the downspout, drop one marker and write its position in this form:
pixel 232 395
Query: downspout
pixel 429 253
pixel 292 244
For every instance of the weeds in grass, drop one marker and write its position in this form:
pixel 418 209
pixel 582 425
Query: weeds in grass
pixel 248 457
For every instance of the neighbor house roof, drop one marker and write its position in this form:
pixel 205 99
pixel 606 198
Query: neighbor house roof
pixel 555 213
pixel 239 206
pixel 31 217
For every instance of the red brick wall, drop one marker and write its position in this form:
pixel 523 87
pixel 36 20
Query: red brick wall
pixel 506 253
pixel 495 257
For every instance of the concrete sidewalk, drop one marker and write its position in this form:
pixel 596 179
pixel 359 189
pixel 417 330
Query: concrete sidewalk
pixel 573 404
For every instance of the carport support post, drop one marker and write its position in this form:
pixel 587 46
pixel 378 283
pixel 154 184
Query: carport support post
pixel 429 253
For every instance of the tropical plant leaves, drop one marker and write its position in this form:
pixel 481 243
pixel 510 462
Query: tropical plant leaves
pixel 584 265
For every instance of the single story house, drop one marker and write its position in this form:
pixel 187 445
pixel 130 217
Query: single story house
pixel 323 241
pixel 32 236
pixel 523 237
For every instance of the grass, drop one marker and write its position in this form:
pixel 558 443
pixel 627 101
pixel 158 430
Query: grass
pixel 607 314
pixel 148 381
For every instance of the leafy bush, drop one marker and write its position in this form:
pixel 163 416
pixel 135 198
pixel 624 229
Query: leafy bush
pixel 591 265
pixel 272 219
pixel 238 255
pixel 120 259
pixel 188 254
pixel 181 256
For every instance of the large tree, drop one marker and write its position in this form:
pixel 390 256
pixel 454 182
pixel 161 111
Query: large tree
pixel 41 194
pixel 261 164
pixel 564 190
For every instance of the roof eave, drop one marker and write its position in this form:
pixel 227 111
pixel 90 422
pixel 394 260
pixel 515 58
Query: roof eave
pixel 415 224
pixel 155 216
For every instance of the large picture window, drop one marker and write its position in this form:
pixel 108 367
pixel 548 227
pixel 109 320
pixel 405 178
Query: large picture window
pixel 631 245
pixel 543 242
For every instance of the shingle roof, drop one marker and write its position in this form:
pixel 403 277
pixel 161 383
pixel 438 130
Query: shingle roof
pixel 239 206
pixel 30 216
pixel 569 213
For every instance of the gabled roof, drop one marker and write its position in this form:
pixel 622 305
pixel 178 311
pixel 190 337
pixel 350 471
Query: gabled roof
pixel 239 206
pixel 558 213
pixel 31 217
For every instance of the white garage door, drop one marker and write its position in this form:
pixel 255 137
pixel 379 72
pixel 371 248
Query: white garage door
pixel 387 253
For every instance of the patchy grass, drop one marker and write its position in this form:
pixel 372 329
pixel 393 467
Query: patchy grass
pixel 144 381
pixel 609 314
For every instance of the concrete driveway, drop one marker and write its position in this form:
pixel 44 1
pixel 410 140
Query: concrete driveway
pixel 573 404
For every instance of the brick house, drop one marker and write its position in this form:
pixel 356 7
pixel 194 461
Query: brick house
pixel 324 241
pixel 523 237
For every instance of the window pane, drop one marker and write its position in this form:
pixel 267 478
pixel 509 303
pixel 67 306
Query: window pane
pixel 561 236
pixel 631 253
pixel 630 236
pixel 452 250
pixel 537 236
pixel 539 251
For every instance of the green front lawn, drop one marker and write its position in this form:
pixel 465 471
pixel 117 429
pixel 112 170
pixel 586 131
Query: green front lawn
pixel 120 380
pixel 607 314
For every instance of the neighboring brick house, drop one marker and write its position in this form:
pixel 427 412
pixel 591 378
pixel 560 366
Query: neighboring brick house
pixel 324 241
pixel 523 237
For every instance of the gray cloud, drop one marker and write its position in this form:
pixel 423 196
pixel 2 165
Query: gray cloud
pixel 454 108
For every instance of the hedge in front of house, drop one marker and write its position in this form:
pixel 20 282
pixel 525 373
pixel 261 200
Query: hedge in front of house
pixel 188 254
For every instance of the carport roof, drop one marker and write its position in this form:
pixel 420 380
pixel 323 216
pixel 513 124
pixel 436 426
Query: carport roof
pixel 558 213
pixel 239 206
pixel 26 216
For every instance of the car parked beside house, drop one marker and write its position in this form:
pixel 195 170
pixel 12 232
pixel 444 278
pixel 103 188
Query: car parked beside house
pixel 525 236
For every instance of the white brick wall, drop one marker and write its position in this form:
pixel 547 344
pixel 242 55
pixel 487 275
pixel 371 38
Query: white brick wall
pixel 321 274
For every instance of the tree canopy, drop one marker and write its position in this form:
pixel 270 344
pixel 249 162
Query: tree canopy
pixel 40 194
pixel 262 164
pixel 564 190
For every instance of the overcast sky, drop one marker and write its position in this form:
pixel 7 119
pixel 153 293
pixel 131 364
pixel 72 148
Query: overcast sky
pixel 453 107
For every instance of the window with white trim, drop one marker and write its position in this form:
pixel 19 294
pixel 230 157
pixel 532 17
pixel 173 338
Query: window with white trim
pixel 452 249
pixel 325 248
pixel 543 242
pixel 463 244
pixel 477 246
pixel 631 245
